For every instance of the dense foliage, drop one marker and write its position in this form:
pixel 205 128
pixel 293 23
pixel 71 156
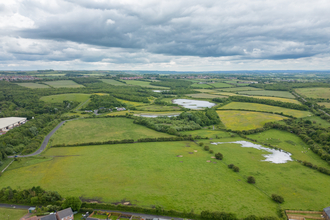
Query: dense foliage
pixel 172 83
pixel 103 101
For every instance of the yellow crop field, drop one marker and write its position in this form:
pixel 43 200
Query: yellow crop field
pixel 245 120
pixel 326 104
pixel 266 108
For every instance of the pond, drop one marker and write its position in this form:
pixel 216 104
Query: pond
pixel 193 104
pixel 275 156
pixel 159 90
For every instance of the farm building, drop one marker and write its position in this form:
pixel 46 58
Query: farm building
pixel 8 123
pixel 326 213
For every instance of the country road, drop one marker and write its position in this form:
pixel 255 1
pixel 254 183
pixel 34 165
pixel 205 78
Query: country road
pixel 44 143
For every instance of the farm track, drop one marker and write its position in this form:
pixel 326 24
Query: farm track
pixel 306 101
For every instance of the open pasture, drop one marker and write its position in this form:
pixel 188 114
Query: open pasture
pixel 113 82
pixel 326 104
pixel 204 96
pixel 33 85
pixel 76 97
pixel 290 143
pixel 239 89
pixel 210 133
pixel 318 121
pixel 282 94
pixel 12 214
pixel 220 85
pixel 143 84
pixel 245 120
pixel 158 108
pixel 63 83
pixel 278 99
pixel 266 108
pixel 211 91
pixel 314 93
pixel 201 86
pixel 151 174
pixel 101 129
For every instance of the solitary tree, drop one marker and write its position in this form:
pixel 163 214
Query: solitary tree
pixel 219 156
pixel 207 148
pixel 277 198
pixel 201 144
pixel 73 202
pixel 236 169
pixel 251 179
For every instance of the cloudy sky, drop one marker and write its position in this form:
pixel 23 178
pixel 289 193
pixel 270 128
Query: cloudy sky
pixel 182 35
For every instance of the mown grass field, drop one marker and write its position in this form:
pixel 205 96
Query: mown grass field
pixel 76 97
pixel 102 129
pixel 267 108
pixel 113 82
pixel 151 174
pixel 204 96
pixel 12 214
pixel 210 133
pixel 282 94
pixel 33 85
pixel 157 108
pixel 245 120
pixel 220 85
pixel 239 89
pixel 211 91
pixel 314 93
pixel 143 84
pixel 226 93
pixel 326 104
pixel 316 120
pixel 145 174
pixel 201 86
pixel 278 99
pixel 63 83
pixel 290 143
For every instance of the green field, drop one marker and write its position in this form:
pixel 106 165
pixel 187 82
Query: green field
pixel 76 97
pixel 102 129
pixel 113 82
pixel 245 120
pixel 33 85
pixel 63 83
pixel 282 94
pixel 239 89
pixel 314 93
pixel 204 96
pixel 290 143
pixel 201 86
pixel 220 85
pixel 158 108
pixel 326 104
pixel 12 214
pixel 267 108
pixel 278 99
pixel 152 174
pixel 210 133
pixel 143 84
pixel 316 120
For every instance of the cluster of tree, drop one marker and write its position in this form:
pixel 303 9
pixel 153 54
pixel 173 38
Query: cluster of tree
pixel 85 80
pixel 204 118
pixel 28 137
pixel 207 215
pixel 268 102
pixel 179 91
pixel 104 101
pixel 172 83
pixel 233 167
pixel 34 196
pixel 315 167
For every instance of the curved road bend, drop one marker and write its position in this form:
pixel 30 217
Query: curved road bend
pixel 128 213
pixel 44 143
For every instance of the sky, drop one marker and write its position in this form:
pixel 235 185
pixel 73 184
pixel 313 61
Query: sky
pixel 173 35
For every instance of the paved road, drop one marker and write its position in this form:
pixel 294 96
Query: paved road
pixel 44 143
pixel 128 213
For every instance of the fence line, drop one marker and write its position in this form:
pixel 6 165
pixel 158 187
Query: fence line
pixel 298 217
pixel 297 211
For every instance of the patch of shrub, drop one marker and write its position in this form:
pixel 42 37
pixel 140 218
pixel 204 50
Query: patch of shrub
pixel 277 198
pixel 207 148
pixel 211 151
pixel 219 156
pixel 230 166
pixel 251 179
pixel 236 169
pixel 201 144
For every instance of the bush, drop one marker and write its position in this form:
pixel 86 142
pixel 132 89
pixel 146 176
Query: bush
pixel 230 166
pixel 219 156
pixel 277 198
pixel 207 148
pixel 251 179
pixel 73 202
pixel 236 169
pixel 211 151
pixel 201 144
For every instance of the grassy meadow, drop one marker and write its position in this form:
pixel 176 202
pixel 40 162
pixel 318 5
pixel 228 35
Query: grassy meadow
pixel 12 214
pixel 282 94
pixel 143 84
pixel 33 85
pixel 101 129
pixel 246 120
pixel 326 104
pixel 290 143
pixel 294 101
pixel 76 97
pixel 220 85
pixel 314 93
pixel 210 133
pixel 113 82
pixel 239 89
pixel 63 83
pixel 268 108
pixel 204 96
pixel 151 174
pixel 316 120
pixel 201 86
pixel 158 108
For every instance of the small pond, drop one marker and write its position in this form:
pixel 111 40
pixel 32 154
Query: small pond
pixel 193 104
pixel 275 156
